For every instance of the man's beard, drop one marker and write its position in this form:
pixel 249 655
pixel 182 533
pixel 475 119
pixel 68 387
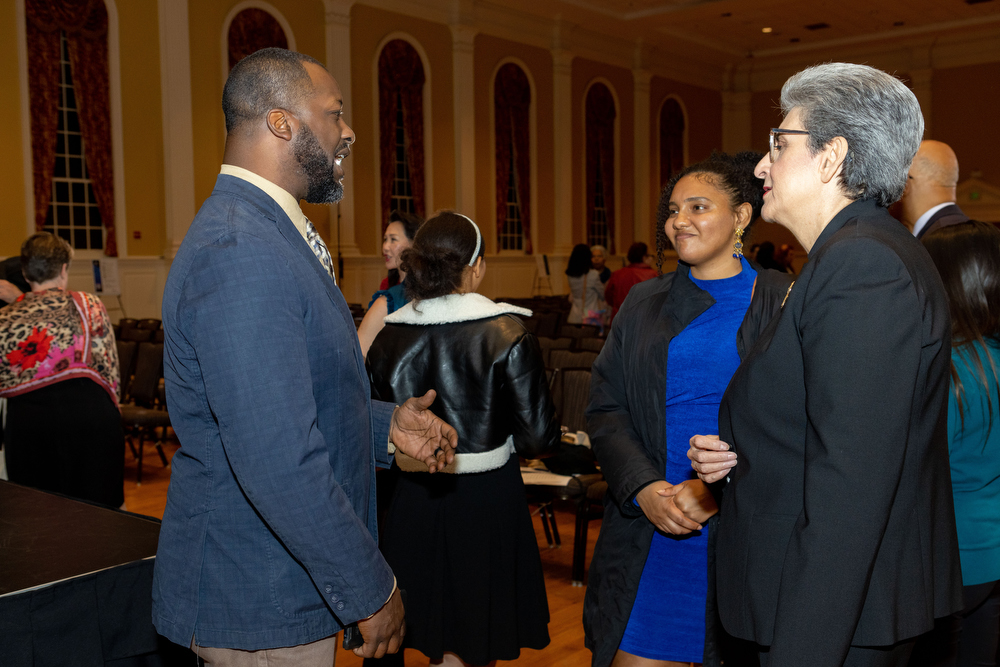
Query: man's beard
pixel 324 188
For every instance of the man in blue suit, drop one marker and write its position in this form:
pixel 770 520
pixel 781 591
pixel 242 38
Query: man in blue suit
pixel 268 538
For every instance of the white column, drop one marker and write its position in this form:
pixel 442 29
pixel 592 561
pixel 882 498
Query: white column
pixel 562 139
pixel 640 181
pixel 178 132
pixel 463 90
pixel 736 132
pixel 338 61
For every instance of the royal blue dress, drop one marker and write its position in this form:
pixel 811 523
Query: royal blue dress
pixel 667 621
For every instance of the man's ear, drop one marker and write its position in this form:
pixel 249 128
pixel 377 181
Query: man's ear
pixel 281 123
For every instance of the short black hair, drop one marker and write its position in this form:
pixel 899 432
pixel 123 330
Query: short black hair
pixel 268 79
pixel 637 252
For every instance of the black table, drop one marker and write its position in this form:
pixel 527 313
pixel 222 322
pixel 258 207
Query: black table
pixel 75 583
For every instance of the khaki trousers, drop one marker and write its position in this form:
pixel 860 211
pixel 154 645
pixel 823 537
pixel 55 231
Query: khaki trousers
pixel 322 653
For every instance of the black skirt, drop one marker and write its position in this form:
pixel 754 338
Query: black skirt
pixel 464 550
pixel 67 438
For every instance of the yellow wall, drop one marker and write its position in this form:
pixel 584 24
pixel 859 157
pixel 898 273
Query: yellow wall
pixel 489 51
pixel 142 127
pixel 13 222
pixel 369 26
pixel 963 99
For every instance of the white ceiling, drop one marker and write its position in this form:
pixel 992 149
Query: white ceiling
pixel 721 30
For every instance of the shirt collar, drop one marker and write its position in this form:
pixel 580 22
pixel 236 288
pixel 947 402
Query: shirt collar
pixel 288 203
pixel 922 220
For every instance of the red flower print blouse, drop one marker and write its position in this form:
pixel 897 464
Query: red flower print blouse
pixel 49 336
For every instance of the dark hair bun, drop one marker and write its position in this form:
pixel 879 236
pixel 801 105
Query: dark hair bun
pixel 440 253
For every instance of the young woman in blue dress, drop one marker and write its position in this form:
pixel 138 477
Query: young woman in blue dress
pixel 672 349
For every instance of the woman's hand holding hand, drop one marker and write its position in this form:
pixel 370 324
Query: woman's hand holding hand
pixel 657 503
pixel 710 458
pixel 693 498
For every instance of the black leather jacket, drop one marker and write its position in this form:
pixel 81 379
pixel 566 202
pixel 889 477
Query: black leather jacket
pixel 485 366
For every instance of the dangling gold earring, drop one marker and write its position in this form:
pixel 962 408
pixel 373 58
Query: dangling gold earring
pixel 738 246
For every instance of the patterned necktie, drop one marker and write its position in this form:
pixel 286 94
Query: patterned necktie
pixel 319 249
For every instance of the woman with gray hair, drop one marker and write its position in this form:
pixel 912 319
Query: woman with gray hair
pixel 836 540
pixel 59 373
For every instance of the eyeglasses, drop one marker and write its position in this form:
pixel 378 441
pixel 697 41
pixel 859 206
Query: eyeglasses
pixel 775 131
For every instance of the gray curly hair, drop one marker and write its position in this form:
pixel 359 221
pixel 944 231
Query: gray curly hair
pixel 874 111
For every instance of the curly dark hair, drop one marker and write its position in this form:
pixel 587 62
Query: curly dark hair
pixel 732 174
pixel 43 255
pixel 411 223
pixel 440 253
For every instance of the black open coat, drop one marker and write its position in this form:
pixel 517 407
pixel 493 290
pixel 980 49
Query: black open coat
pixel 837 528
pixel 626 420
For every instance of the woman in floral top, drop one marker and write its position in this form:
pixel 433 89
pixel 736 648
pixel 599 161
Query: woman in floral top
pixel 59 373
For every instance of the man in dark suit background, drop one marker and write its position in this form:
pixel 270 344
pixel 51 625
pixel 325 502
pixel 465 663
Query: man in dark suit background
pixel 929 199
pixel 268 542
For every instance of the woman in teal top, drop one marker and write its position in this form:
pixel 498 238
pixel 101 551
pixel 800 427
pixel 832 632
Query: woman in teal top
pixel 967 256
pixel 391 295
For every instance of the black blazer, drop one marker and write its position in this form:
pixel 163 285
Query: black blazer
pixel 949 215
pixel 626 421
pixel 837 527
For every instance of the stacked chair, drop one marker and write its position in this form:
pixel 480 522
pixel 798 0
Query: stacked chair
pixel 568 352
pixel 143 404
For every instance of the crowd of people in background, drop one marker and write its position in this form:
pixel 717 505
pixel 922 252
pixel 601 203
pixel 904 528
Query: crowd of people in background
pixel 803 467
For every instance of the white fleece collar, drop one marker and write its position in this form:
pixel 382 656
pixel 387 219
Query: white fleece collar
pixel 453 308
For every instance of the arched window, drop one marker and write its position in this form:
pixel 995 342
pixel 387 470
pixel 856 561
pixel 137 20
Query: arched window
pixel 69 91
pixel 671 139
pixel 251 30
pixel 511 105
pixel 600 132
pixel 401 129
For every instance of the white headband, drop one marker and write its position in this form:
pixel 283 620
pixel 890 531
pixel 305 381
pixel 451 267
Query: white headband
pixel 479 239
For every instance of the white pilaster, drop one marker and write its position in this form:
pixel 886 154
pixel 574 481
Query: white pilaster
pixel 178 131
pixel 641 133
pixel 338 61
pixel 736 132
pixel 562 139
pixel 463 90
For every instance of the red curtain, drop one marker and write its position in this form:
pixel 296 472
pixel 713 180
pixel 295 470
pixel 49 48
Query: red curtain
pixel 601 147
pixel 85 23
pixel 671 140
pixel 511 102
pixel 401 80
pixel 252 30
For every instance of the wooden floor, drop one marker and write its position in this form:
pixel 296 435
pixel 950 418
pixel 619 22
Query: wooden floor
pixel 565 600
